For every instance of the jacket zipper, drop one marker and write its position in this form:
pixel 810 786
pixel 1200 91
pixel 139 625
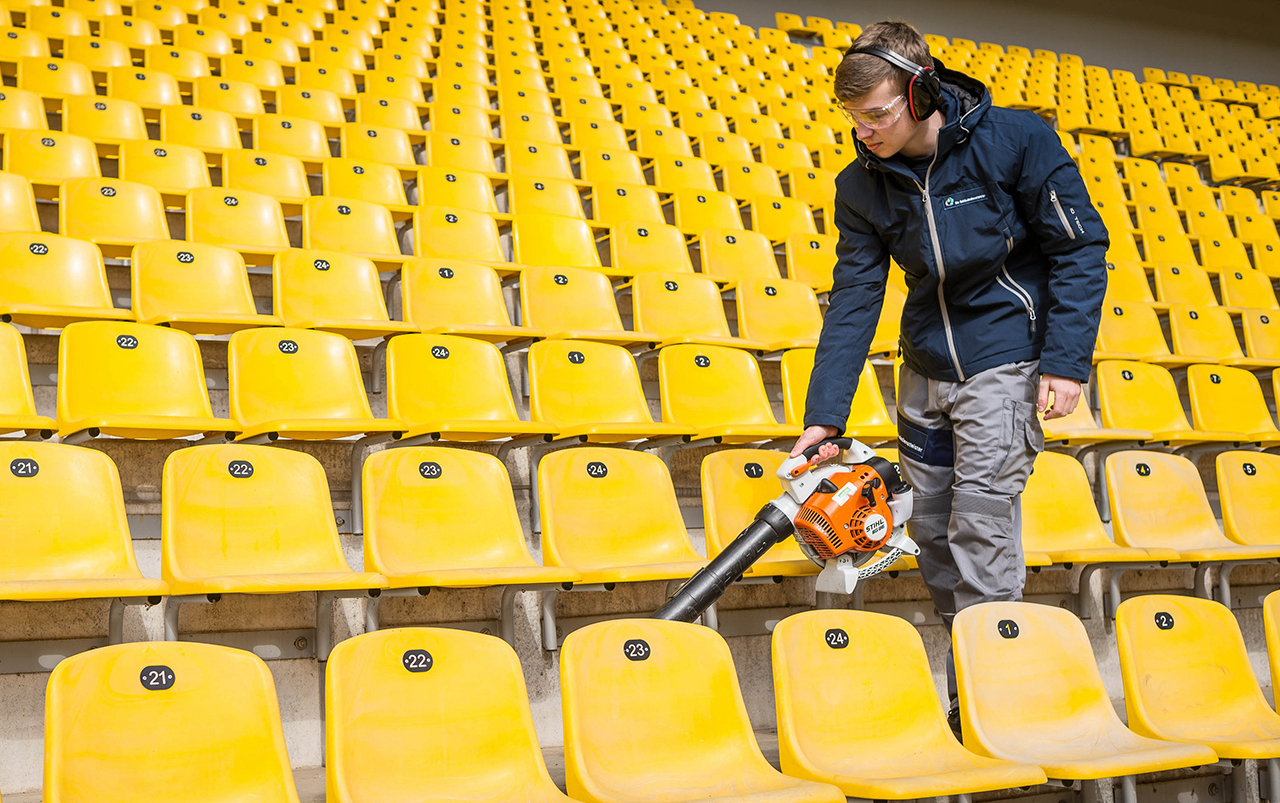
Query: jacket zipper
pixel 1066 224
pixel 1011 284
pixel 942 271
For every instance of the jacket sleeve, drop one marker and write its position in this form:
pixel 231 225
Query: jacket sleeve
pixel 853 310
pixel 1055 202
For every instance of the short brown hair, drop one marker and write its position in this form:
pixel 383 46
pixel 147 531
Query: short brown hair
pixel 859 73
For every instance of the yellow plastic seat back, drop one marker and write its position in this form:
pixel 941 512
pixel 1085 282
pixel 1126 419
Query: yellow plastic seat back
pixel 867 409
pixel 343 224
pixel 580 382
pixel 777 310
pixel 287 374
pixel 1131 326
pixel 608 164
pixel 1262 333
pixel 1203 330
pixel 236 219
pixel 367 142
pixel 313 286
pixel 16 398
pixel 1139 396
pixel 1158 500
pixel 166 166
pixel 556 300
pixel 1183 283
pixel 613 204
pixel 108 368
pixel 420 490
pixel 673 172
pixel 1248 288
pixel 1228 399
pixel 103 119
pixel 210 130
pixel 736 484
pixel 698 210
pixel 393 702
pixel 176 278
pixel 447 378
pixel 88 538
pixel 554 240
pixel 109 210
pixel 709 386
pixel 52 77
pixel 1247 487
pixel 1187 674
pixel 444 232
pixel 677 305
pixel 1057 507
pixel 549 196
pixel 237 511
pixel 636 247
pixel 461 189
pixel 446 292
pixel 651 674
pixel 459 151
pixel 275 174
pixel 45 271
pixel 169 702
pixel 21 110
pixel 291 136
pixel 17 204
pixel 50 157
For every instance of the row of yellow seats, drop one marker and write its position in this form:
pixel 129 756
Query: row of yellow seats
pixel 1132 330
pixel 1240 288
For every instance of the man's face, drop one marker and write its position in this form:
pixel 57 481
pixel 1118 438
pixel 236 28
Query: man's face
pixel 884 142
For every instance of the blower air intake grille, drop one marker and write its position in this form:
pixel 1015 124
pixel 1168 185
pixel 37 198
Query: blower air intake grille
pixel 817 532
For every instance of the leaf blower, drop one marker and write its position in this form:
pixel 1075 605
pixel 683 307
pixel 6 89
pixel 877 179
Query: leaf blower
pixel 841 513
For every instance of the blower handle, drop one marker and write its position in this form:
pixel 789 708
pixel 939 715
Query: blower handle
pixel 770 527
pixel 841 443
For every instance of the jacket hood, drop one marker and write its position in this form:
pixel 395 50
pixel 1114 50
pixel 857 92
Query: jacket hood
pixel 964 101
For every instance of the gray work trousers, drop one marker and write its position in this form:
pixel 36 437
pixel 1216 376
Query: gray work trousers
pixel 967 448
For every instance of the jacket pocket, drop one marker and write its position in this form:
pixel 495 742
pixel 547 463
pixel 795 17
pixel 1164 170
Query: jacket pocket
pixel 1006 280
pixel 1062 214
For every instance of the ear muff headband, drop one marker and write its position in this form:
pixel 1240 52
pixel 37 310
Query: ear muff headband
pixel 924 91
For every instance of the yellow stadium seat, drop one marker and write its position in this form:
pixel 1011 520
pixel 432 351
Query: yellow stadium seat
pixel 575 304
pixel 133 31
pixel 1030 691
pixel 591 392
pixel 394 62
pixel 406 490
pixel 1158 501
pixel 114 215
pixel 1060 521
pixel 781 312
pixel 1130 330
pixel 320 105
pixel 1261 333
pixel 683 308
pixel 211 131
pixel 720 149
pixel 698 210
pixel 460 152
pixel 531 127
pixel 868 420
pixel 234 23
pixel 1127 281
pixel 201 289
pixel 1141 396
pixel 48 158
pixel 1247 288
pixel 649 674
pixel 333 292
pixel 811 186
pixel 554 240
pixel 452 388
pixel 354 227
pixel 248 222
pixel 103 120
pixel 586 106
pixel 732 255
pixel 705 124
pixel 1209 330
pixel 587 133
pixel 204 39
pixel 1188 678
pixel 736 484
pixel 292 136
pixel 607 164
pixel 389 146
pixel 57 22
pixel 746 180
pixel 277 175
pixel 780 218
pixel 636 247
pixel 21 110
pixel 388 112
pixel 53 78
pixel 149 88
pixel 299 384
pixel 539 160
pixel 444 296
pixel 369 180
pixel 50 281
pixel 85 552
pixel 1247 483
pixel 17 403
pixel 386 712
pixel 718 391
pixel 862 740
pixel 164 15
pixel 614 204
pixel 450 120
pixel 173 170
pixel 132 381
pixel 602 492
pixel 155 693
pixel 263 72
pixel 548 196
pixel 674 172
pixel 1226 398
pixel 444 232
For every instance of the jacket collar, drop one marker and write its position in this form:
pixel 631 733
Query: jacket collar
pixel 964 101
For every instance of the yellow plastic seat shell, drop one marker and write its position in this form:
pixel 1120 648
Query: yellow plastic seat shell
pixel 1188 678
pixel 168 701
pixel 432 491
pixel 392 720
pixel 132 381
pixel 1248 483
pixel 300 384
pixel 50 281
pixel 736 483
pixel 687 667
pixel 883 735
pixel 114 215
pixel 718 391
pixel 455 297
pixel 198 288
pixel 868 416
pixel 1037 697
pixel 262 528
pixel 83 552
pixel 333 292
pixel 17 403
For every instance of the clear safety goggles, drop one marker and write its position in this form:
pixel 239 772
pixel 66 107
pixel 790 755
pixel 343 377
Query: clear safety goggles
pixel 877 118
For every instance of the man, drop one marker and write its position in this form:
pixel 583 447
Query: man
pixel 1005 267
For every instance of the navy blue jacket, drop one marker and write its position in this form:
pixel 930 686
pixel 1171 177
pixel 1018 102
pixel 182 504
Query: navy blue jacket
pixel 1005 257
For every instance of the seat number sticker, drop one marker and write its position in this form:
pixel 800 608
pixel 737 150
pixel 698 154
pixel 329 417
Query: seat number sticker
pixel 1007 628
pixel 157 678
pixel 241 469
pixel 24 467
pixel 636 649
pixel 836 638
pixel 417 660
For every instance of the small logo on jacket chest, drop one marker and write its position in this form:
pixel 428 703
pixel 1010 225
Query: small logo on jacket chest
pixel 953 201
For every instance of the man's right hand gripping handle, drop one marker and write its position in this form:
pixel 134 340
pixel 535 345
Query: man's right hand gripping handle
pixel 813 435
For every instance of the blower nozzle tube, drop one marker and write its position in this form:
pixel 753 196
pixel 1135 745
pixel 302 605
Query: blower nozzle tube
pixel 771 527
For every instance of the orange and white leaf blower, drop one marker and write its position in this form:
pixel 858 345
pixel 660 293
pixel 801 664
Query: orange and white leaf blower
pixel 840 513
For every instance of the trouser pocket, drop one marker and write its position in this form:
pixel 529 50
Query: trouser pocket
pixel 1021 439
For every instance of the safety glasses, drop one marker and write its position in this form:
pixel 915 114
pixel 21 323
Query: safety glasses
pixel 878 118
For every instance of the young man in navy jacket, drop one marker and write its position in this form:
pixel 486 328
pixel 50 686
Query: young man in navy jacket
pixel 1005 262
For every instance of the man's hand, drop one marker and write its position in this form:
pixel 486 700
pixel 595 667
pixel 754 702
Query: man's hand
pixel 813 435
pixel 1066 393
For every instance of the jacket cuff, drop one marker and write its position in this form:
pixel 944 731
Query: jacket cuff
pixel 820 420
pixel 1069 370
